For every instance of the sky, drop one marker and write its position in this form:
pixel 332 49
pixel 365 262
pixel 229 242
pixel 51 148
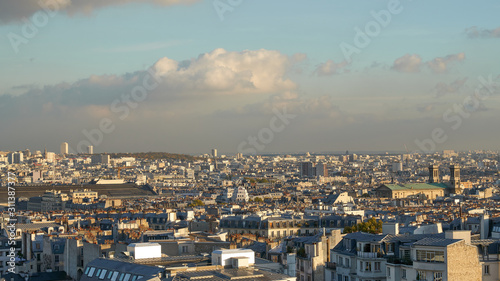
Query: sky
pixel 255 77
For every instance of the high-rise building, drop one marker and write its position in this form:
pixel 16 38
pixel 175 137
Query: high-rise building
pixel 64 148
pixel 397 167
pixel 90 149
pixel 15 158
pixel 101 159
pixel 321 170
pixel 214 152
pixel 306 170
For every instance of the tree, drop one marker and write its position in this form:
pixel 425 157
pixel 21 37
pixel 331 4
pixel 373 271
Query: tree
pixel 196 203
pixel 371 226
pixel 258 199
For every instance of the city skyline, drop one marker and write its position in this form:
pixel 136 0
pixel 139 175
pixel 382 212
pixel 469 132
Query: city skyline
pixel 249 77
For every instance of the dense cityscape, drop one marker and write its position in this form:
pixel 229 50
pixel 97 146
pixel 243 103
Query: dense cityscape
pixel 158 216
pixel 233 140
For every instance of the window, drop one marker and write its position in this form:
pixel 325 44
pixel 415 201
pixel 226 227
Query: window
pixel 430 256
pixel 115 274
pixel 403 273
pixel 421 275
pixel 121 277
pixel 486 270
pixel 91 272
pixel 388 272
pixel 368 266
pixel 347 262
pixel 109 275
pixel 438 276
pixel 56 258
pixel 127 277
pixel 98 272
pixel 346 278
pixel 87 270
pixel 184 249
pixel 103 273
pixel 377 266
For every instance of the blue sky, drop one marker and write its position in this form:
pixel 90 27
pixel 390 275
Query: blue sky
pixel 63 78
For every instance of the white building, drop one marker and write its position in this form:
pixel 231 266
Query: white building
pixel 232 257
pixel 236 194
pixel 144 250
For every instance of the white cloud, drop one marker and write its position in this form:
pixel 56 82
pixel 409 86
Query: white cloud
pixel 413 63
pixel 210 77
pixel 228 73
pixel 408 63
pixel 440 64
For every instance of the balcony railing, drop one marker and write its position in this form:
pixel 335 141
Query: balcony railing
pixel 395 260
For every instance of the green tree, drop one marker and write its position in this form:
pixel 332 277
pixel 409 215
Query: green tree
pixel 258 199
pixel 371 226
pixel 196 203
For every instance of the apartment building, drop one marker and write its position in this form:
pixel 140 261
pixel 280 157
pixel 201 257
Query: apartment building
pixel 439 259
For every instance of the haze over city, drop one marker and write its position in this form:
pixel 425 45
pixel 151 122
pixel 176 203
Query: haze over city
pixel 363 76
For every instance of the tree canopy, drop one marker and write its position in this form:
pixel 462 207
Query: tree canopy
pixel 371 226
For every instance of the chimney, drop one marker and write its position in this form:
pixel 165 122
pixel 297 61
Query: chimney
pixel 390 228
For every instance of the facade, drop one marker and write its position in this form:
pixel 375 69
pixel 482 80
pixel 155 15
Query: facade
pixel 51 200
pixel 283 226
pixel 438 259
pixel 434 188
pixel 393 257
pixel 79 196
pixel 418 190
pixel 235 194
pixel 314 254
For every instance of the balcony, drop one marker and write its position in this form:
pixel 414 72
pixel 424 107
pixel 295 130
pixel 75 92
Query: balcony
pixel 331 265
pixel 395 260
pixel 369 255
